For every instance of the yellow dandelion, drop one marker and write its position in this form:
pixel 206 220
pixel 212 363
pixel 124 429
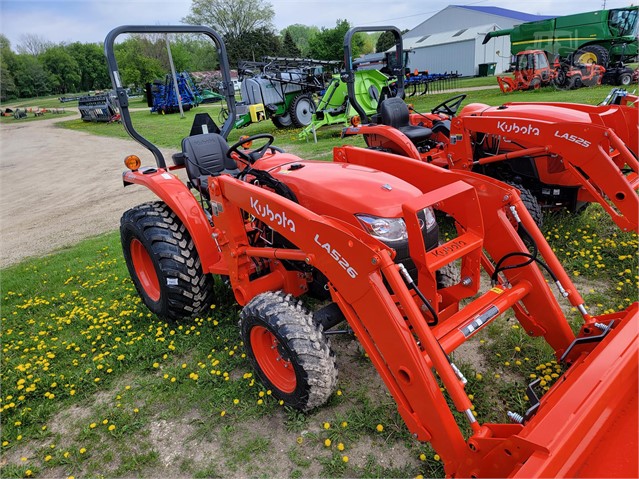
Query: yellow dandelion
pixel 379 428
pixel 112 427
pixel 327 442
pixel 345 458
pixel 327 425
pixel 340 446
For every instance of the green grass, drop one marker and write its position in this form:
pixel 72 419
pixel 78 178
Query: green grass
pixel 85 366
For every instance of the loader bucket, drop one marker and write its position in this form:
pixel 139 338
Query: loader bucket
pixel 587 425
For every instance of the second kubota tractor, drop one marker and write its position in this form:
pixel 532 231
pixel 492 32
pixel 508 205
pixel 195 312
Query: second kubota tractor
pixel 261 218
pixel 556 154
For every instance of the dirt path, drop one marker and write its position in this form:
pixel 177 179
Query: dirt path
pixel 59 186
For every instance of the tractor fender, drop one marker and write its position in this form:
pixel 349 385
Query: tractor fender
pixel 181 201
pixel 386 137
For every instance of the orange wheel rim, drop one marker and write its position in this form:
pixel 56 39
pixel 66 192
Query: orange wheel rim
pixel 267 351
pixel 145 270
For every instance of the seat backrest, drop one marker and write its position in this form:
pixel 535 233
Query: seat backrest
pixel 394 112
pixel 206 155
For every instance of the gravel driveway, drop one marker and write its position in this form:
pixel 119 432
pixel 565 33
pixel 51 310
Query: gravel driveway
pixel 59 186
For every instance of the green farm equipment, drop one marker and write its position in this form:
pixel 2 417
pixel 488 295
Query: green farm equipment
pixel 594 37
pixel 369 86
pixel 280 89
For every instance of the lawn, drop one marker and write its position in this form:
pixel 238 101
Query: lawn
pixel 93 385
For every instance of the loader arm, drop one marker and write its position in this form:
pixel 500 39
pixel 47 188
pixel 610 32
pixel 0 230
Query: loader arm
pixel 593 153
pixel 411 356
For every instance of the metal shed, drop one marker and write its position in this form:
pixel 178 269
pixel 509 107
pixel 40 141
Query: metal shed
pixel 458 50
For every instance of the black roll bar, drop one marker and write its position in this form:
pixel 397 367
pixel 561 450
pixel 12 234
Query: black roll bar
pixel 349 77
pixel 120 91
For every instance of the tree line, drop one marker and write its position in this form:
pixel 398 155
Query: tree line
pixel 39 67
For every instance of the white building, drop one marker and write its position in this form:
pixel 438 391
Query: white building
pixel 451 40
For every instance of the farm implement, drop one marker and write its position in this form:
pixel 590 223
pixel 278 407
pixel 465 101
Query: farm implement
pixel 280 89
pixel 362 233
pixel 421 83
pixel 556 154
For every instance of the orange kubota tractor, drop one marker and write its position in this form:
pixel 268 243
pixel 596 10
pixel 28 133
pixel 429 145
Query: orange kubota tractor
pixel 274 224
pixel 556 154
pixel 533 70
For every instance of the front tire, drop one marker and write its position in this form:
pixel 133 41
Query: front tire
pixel 288 351
pixel 163 262
pixel 591 54
pixel 625 79
pixel 530 202
pixel 282 121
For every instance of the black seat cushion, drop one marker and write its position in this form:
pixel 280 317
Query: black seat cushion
pixel 206 156
pixel 394 112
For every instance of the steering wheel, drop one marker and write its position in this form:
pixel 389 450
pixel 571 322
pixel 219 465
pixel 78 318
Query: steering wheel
pixel 450 106
pixel 256 154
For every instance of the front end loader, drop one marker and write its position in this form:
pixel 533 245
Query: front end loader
pixel 245 214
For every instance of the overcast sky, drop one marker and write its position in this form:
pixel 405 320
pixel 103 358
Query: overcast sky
pixel 90 20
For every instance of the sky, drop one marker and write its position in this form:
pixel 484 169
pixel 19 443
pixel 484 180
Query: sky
pixel 90 20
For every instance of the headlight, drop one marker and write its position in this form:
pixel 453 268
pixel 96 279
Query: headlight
pixel 394 229
pixel 429 216
pixel 384 229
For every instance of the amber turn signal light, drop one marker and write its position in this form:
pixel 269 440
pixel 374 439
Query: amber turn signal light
pixel 132 162
pixel 247 144
pixel 356 121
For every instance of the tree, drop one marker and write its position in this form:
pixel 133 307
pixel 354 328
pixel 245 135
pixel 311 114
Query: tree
pixel 232 18
pixel 31 78
pixel 301 35
pixel 94 73
pixel 32 44
pixel 328 44
pixel 289 49
pixel 385 41
pixel 253 45
pixel 136 67
pixel 65 71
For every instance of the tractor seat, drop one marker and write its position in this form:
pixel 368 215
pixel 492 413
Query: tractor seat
pixel 394 112
pixel 206 156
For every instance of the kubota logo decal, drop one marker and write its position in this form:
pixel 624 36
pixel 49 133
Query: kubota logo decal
pixel 575 139
pixel 336 255
pixel 267 213
pixel 448 248
pixel 507 127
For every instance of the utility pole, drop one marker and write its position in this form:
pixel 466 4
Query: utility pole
pixel 174 75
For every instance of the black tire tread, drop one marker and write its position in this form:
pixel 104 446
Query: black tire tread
pixel 530 202
pixel 306 340
pixel 173 247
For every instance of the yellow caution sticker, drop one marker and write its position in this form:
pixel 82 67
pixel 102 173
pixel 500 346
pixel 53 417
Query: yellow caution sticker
pixel 497 290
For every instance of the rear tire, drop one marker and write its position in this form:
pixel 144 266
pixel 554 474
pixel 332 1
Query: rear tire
pixel 163 262
pixel 288 351
pixel 302 110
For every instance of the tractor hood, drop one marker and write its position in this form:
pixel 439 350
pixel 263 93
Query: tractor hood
pixel 341 190
pixel 550 112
